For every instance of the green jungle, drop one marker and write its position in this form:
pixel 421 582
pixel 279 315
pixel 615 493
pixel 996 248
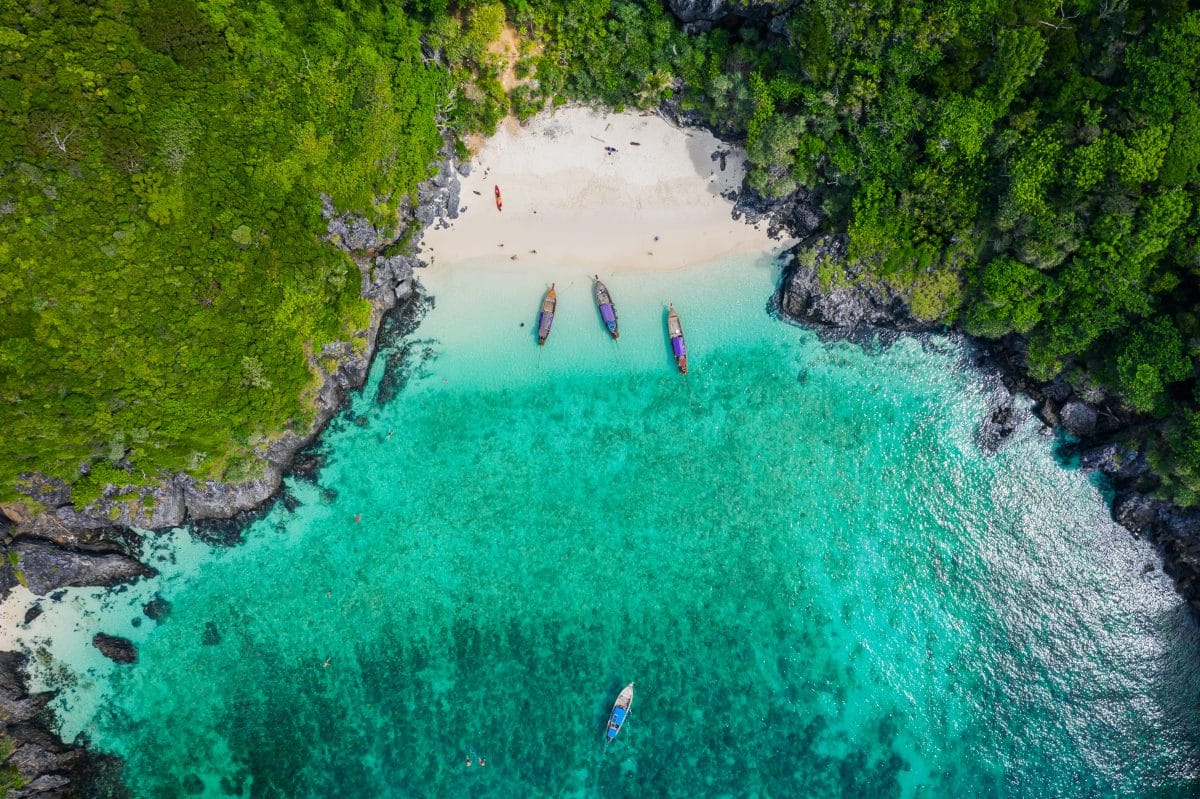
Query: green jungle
pixel 1013 166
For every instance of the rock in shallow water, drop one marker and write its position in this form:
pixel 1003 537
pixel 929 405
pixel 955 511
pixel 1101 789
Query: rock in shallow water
pixel 115 647
pixel 157 609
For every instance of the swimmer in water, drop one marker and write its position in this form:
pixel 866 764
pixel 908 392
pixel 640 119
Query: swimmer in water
pixel 328 660
pixel 357 518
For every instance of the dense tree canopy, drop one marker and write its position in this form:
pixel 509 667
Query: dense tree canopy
pixel 1018 167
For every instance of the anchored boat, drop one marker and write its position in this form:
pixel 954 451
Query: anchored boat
pixel 546 317
pixel 678 347
pixel 619 712
pixel 607 311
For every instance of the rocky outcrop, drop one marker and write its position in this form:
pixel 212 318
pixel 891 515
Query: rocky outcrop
pixel 845 296
pixel 47 768
pixel 797 214
pixel 1078 418
pixel 1002 420
pixel 46 567
pixel 115 648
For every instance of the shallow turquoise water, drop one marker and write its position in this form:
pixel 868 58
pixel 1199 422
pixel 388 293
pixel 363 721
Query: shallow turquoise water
pixel 819 584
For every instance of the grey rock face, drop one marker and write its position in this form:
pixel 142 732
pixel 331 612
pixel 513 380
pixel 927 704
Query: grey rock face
pixel 1078 419
pixel 1002 421
pixel 152 507
pixel 389 280
pixel 115 648
pixel 1134 511
pixel 50 491
pixel 213 500
pixel 33 760
pixel 1119 463
pixel 15 707
pixel 855 301
pixel 46 567
pixel 43 786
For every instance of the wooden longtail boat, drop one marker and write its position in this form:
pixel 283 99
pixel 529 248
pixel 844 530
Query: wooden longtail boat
pixel 546 317
pixel 675 332
pixel 499 204
pixel 619 712
pixel 608 311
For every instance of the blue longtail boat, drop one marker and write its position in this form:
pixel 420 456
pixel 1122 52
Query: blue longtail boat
pixel 608 311
pixel 675 333
pixel 619 712
pixel 546 317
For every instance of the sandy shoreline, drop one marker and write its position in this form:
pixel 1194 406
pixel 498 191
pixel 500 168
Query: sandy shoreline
pixel 571 205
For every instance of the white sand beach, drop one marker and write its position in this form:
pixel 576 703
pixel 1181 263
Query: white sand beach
pixel 653 203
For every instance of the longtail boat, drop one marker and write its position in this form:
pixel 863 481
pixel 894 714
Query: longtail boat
pixel 675 332
pixel 619 712
pixel 607 311
pixel 546 317
pixel 499 204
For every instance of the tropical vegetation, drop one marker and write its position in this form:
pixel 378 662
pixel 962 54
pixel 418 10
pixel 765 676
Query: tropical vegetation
pixel 1016 168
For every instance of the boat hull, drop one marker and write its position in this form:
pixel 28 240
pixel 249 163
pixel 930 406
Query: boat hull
pixel 620 712
pixel 608 311
pixel 678 345
pixel 546 317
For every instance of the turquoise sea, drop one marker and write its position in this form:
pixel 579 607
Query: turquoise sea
pixel 820 585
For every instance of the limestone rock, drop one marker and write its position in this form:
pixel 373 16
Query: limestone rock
pixel 152 507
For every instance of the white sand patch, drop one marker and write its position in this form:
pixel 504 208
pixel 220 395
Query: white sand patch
pixel 12 616
pixel 572 207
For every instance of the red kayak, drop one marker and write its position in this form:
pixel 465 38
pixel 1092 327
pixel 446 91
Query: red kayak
pixel 499 204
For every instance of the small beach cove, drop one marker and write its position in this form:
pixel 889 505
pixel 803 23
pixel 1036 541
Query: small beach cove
pixel 819 583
